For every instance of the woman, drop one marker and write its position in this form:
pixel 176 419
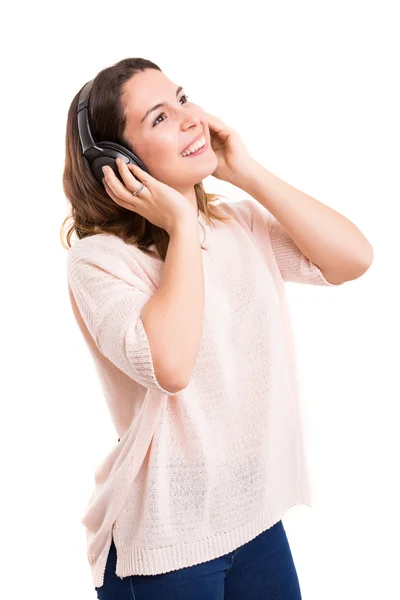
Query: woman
pixel 181 301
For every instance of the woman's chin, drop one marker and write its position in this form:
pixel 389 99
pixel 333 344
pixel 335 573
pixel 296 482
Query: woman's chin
pixel 195 169
pixel 204 168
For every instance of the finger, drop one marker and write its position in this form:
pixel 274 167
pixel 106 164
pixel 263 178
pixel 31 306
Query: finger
pixel 214 122
pixel 110 192
pixel 138 173
pixel 217 126
pixel 117 187
pixel 129 205
pixel 129 176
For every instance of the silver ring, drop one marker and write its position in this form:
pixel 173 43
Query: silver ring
pixel 142 185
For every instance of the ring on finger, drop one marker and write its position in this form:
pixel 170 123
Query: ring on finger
pixel 140 188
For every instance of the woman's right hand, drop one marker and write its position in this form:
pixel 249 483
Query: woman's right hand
pixel 159 203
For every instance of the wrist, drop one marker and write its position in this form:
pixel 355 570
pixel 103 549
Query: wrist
pixel 248 175
pixel 183 224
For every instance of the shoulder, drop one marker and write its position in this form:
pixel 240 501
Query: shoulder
pixel 104 253
pixel 105 246
pixel 247 210
pixel 99 242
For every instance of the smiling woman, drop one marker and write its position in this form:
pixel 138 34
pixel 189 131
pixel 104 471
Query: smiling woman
pixel 160 139
pixel 194 353
pixel 124 100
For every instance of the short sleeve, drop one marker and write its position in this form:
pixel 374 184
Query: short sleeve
pixel 110 296
pixel 293 265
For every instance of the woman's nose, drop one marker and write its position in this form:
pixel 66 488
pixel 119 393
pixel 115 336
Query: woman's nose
pixel 188 120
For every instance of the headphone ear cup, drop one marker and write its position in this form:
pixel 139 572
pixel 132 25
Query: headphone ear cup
pixel 111 152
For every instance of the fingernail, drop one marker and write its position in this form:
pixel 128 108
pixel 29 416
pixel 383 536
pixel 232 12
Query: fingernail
pixel 104 170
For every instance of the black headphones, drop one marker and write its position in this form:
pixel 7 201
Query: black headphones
pixel 100 153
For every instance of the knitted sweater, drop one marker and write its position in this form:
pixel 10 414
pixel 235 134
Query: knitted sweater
pixel 201 472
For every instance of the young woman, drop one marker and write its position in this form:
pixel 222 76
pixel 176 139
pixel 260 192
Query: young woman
pixel 181 300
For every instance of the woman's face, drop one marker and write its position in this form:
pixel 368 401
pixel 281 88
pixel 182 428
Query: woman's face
pixel 160 137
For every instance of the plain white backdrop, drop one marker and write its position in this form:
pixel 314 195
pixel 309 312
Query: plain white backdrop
pixel 313 89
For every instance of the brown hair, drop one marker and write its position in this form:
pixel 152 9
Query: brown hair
pixel 92 209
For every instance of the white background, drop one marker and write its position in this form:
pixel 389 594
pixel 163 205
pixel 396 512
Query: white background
pixel 312 88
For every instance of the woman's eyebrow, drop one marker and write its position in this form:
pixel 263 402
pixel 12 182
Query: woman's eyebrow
pixel 178 89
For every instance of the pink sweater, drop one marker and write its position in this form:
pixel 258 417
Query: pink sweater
pixel 201 472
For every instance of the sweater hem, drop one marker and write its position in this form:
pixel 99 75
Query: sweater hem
pixel 156 561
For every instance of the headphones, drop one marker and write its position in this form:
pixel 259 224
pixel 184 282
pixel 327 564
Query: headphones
pixel 100 153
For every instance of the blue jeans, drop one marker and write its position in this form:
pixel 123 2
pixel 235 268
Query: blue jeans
pixel 262 569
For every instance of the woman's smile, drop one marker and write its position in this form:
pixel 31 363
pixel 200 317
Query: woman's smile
pixel 197 152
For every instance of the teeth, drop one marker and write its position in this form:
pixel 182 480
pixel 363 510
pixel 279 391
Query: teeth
pixel 199 144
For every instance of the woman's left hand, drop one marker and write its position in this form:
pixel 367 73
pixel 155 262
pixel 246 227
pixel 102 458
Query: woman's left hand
pixel 233 157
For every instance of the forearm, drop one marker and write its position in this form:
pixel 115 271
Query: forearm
pixel 173 317
pixel 325 236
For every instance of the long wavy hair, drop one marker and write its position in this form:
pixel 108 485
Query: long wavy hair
pixel 92 210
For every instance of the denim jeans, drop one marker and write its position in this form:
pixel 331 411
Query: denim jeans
pixel 262 569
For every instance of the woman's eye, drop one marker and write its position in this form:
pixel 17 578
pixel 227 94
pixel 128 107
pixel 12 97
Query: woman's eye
pixel 185 96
